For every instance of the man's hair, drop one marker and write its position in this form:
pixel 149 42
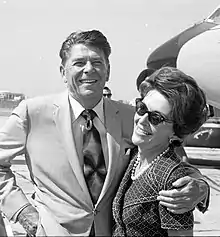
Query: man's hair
pixel 109 93
pixel 106 88
pixel 188 102
pixel 143 74
pixel 90 38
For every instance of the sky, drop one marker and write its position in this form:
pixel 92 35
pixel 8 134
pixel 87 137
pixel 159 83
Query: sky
pixel 32 32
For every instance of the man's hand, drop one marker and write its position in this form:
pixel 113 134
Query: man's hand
pixel 187 194
pixel 29 218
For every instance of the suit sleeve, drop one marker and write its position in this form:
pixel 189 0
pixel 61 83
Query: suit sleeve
pixel 12 143
pixel 127 124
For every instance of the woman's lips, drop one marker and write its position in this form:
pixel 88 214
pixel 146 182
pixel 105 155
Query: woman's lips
pixel 144 131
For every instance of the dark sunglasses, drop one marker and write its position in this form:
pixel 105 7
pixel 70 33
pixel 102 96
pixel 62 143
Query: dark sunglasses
pixel 154 117
pixel 107 95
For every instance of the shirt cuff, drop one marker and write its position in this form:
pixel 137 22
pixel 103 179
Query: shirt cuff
pixel 204 204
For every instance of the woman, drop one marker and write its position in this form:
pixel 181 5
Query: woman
pixel 172 106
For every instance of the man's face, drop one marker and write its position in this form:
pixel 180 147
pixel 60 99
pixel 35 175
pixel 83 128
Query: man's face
pixel 86 72
pixel 107 93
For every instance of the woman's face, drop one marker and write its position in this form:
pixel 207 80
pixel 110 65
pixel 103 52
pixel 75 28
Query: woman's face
pixel 146 133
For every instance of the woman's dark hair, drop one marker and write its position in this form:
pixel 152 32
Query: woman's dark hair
pixel 188 102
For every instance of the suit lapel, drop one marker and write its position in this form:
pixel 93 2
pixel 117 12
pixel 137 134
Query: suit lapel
pixel 62 118
pixel 112 123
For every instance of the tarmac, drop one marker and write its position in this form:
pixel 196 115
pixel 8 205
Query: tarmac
pixel 207 224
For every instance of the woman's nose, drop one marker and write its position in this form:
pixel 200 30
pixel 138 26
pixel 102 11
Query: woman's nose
pixel 144 119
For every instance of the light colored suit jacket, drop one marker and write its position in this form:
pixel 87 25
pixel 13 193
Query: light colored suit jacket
pixel 41 129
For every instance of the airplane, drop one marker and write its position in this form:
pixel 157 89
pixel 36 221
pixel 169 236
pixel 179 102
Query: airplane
pixel 196 51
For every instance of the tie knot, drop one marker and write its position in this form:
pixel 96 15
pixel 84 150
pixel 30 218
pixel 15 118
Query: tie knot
pixel 89 114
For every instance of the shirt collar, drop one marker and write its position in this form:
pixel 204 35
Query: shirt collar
pixel 77 108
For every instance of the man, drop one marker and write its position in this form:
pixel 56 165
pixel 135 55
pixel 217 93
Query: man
pixel 107 92
pixel 73 187
pixel 145 73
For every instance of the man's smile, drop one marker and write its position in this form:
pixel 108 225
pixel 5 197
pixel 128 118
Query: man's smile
pixel 89 81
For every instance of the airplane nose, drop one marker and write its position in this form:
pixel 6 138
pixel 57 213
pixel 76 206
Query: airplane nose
pixel 200 58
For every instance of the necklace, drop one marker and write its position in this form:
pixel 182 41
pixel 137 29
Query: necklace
pixel 137 162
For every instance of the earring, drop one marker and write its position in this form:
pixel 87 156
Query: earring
pixel 175 141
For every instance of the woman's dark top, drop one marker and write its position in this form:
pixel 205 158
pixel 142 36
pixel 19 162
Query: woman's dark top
pixel 136 210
